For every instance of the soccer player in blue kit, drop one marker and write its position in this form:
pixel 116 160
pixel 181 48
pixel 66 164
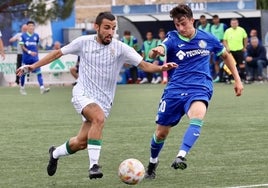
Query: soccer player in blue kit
pixel 190 87
pixel 29 44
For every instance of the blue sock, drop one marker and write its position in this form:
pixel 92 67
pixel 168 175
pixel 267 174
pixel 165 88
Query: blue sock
pixel 191 135
pixel 40 79
pixel 22 80
pixel 156 146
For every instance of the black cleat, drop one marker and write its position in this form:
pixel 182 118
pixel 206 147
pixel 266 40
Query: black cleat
pixel 53 163
pixel 95 172
pixel 179 163
pixel 150 172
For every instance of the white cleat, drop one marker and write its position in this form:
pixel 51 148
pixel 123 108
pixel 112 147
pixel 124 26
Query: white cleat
pixel 44 90
pixel 22 91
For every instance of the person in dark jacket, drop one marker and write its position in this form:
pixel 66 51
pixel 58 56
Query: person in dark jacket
pixel 256 59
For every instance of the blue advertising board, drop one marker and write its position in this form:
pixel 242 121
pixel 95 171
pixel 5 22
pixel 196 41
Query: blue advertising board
pixel 196 7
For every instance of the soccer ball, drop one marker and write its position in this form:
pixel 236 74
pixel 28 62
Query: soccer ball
pixel 131 171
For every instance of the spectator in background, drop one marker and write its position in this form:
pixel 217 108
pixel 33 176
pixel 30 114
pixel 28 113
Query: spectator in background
pixel 148 44
pixel 29 44
pixel 16 38
pixel 235 40
pixel 131 41
pixel 2 50
pixel 56 45
pixel 75 70
pixel 162 59
pixel 253 33
pixel 217 29
pixel 255 59
pixel 204 25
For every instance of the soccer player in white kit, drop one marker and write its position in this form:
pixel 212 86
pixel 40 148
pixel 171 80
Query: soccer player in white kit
pixel 101 59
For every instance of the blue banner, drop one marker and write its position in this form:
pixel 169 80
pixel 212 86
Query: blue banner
pixel 196 7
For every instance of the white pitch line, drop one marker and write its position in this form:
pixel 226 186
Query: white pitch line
pixel 249 186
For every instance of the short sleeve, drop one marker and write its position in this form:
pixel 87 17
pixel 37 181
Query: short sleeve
pixel 21 40
pixel 73 47
pixel 218 47
pixel 245 35
pixel 130 56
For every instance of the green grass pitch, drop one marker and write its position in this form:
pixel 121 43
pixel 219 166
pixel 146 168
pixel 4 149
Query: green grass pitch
pixel 231 151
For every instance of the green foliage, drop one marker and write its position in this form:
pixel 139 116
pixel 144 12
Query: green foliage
pixel 231 151
pixel 262 4
pixel 39 11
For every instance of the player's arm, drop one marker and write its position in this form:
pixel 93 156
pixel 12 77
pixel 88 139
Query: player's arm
pixel 245 43
pixel 230 63
pixel 2 52
pixel 55 54
pixel 13 39
pixel 157 51
pixel 150 67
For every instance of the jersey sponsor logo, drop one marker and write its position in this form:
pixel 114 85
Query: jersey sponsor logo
pixel 27 43
pixel 180 55
pixel 203 52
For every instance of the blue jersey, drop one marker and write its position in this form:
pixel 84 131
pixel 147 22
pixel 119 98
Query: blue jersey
pixel 31 43
pixel 193 59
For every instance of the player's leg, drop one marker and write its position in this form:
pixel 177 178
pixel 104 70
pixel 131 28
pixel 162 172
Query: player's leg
pixel 196 114
pixel 18 65
pixel 96 116
pixel 73 145
pixel 157 143
pixel 22 83
pixel 169 114
pixel 38 72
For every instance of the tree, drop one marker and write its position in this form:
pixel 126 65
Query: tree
pixel 262 4
pixel 39 10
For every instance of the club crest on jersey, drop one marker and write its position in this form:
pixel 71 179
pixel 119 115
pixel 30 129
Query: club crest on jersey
pixel 202 44
pixel 180 55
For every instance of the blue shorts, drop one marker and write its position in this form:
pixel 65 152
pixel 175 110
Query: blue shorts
pixel 171 110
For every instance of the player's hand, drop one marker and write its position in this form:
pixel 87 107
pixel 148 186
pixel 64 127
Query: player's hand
pixel 238 87
pixel 33 54
pixel 24 70
pixel 159 51
pixel 3 55
pixel 168 66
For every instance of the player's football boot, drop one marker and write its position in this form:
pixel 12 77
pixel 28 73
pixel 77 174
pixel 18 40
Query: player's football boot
pixel 22 91
pixel 150 172
pixel 44 90
pixel 53 163
pixel 179 163
pixel 95 172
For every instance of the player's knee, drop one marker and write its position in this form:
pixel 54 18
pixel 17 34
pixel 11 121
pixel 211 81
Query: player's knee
pixel 161 135
pixel 98 121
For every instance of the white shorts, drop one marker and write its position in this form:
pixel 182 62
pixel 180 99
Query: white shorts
pixel 80 102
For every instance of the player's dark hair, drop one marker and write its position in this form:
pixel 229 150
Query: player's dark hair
pixel 161 30
pixel 234 19
pixel 202 16
pixel 180 11
pixel 30 22
pixel 215 16
pixel 127 32
pixel 104 15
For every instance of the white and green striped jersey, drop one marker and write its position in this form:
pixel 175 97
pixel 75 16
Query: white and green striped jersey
pixel 100 66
